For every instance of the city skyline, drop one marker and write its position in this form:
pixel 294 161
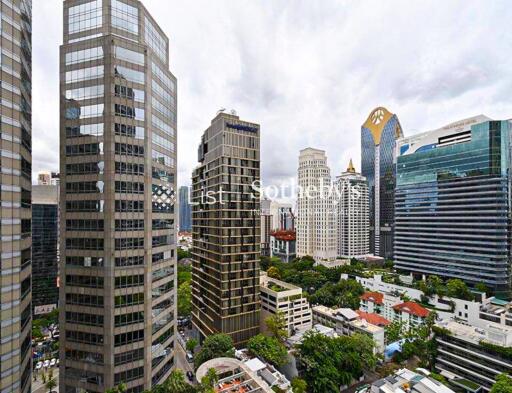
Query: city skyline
pixel 340 71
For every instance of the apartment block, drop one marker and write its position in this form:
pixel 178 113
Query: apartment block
pixel 281 297
pixel 226 230
pixel 117 198
pixel 283 245
pixel 16 180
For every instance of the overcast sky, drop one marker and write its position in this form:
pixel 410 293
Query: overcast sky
pixel 308 71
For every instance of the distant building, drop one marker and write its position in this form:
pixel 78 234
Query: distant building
pixel 379 134
pixel 45 248
pixel 279 296
pixel 352 214
pixel 316 218
pixel 48 178
pixel 266 227
pixel 471 357
pixel 453 207
pixel 405 380
pixel 185 216
pixel 283 245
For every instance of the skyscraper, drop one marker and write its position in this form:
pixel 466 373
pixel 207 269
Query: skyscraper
pixel 378 141
pixel 118 179
pixel 185 210
pixel 16 168
pixel 453 203
pixel 353 214
pixel 316 216
pixel 45 248
pixel 226 230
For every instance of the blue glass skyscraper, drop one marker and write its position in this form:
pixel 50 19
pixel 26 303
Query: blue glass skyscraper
pixel 185 210
pixel 378 143
pixel 452 210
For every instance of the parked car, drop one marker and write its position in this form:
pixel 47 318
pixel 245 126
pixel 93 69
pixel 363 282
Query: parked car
pixel 190 357
pixel 39 365
pixel 190 376
pixel 46 363
pixel 53 362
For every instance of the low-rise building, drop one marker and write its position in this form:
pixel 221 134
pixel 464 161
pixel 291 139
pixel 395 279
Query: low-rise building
pixel 283 245
pixel 405 380
pixel 279 296
pixel 470 356
pixel 411 314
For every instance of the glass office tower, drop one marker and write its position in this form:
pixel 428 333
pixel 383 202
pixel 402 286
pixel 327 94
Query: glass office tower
pixel 452 209
pixel 226 230
pixel 185 210
pixel 118 151
pixel 378 142
pixel 16 180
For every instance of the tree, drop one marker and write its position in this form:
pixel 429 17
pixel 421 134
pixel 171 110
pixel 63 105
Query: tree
pixel 183 254
pixel 51 384
pixel 121 388
pixel 209 381
pixel 331 362
pixel 299 385
pixel 191 344
pixel 184 274
pixel 481 287
pixel 394 331
pixel 184 299
pixel 345 293
pixel 503 384
pixel 273 272
pixel 458 289
pixel 268 348
pixel 214 346
pixel 276 325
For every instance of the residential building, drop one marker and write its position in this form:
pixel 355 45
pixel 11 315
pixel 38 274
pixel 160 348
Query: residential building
pixel 16 180
pixel 185 210
pixel 226 230
pixel 453 215
pixel 471 357
pixel 405 380
pixel 236 375
pixel 353 223
pixel 346 322
pixel 266 228
pixel 45 248
pixel 44 178
pixel 378 143
pixel 283 245
pixel 281 297
pixel 118 182
pixel 185 240
pixel 316 218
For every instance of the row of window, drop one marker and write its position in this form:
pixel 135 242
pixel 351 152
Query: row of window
pixel 83 74
pixel 162 142
pixel 129 319
pixel 127 130
pixel 129 168
pixel 129 356
pixel 85 168
pixel 137 260
pixel 129 300
pixel 84 130
pixel 84 206
pixel 162 158
pixel 84 300
pixel 128 187
pixel 129 93
pixel 84 149
pixel 128 375
pixel 84 225
pixel 129 281
pixel 84 281
pixel 130 243
pixel 84 337
pixel 84 243
pixel 129 225
pixel 127 149
pixel 84 187
pixel 84 261
pixel 84 318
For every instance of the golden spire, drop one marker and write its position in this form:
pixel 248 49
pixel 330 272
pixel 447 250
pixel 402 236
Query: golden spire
pixel 351 168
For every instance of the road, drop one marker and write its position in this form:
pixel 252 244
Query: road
pixel 38 386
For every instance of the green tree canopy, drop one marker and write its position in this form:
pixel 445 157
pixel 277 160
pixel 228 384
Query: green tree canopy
pixel 214 346
pixel 458 289
pixel 185 299
pixel 299 385
pixel 268 348
pixel 503 384
pixel 276 325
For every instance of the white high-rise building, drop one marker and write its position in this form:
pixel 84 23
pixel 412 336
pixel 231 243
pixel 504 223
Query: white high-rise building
pixel 316 216
pixel 353 220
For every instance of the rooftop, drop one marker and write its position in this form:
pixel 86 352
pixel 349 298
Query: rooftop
pixel 374 319
pixel 374 297
pixel 412 308
pixel 284 235
pixel 494 333
pixel 405 380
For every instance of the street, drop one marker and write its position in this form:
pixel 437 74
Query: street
pixel 38 386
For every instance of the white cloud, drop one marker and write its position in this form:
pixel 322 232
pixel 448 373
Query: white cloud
pixel 308 72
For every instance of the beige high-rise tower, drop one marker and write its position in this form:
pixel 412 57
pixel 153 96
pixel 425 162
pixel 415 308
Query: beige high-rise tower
pixel 118 180
pixel 16 173
pixel 226 230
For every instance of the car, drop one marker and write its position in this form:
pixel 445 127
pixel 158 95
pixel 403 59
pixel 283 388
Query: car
pixel 39 365
pixel 53 362
pixel 190 376
pixel 190 357
pixel 46 363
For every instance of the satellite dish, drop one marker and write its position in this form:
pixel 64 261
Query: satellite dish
pixel 233 112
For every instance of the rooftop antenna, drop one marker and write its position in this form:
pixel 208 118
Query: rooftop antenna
pixel 233 112
pixel 221 110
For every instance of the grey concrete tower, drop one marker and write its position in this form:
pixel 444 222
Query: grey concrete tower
pixel 226 230
pixel 15 208
pixel 118 176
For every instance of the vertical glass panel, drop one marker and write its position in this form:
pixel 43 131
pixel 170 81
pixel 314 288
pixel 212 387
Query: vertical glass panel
pixel 85 16
pixel 125 17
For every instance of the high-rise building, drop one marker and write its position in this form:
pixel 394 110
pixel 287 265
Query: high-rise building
pixel 266 225
pixel 118 180
pixel 226 230
pixel 45 248
pixel 353 214
pixel 453 203
pixel 185 210
pixel 286 218
pixel 316 216
pixel 378 142
pixel 16 175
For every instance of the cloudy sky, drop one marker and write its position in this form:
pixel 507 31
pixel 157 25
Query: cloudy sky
pixel 308 71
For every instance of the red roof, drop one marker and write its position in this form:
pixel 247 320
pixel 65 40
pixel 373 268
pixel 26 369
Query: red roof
pixel 374 297
pixel 374 319
pixel 412 308
pixel 284 235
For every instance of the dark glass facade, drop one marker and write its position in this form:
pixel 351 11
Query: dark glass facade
pixel 185 211
pixel 452 209
pixel 378 144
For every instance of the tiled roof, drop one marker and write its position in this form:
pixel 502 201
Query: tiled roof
pixel 374 319
pixel 284 235
pixel 412 308
pixel 374 297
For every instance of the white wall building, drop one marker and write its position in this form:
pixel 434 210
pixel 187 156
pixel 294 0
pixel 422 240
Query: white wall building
pixel 353 220
pixel 316 218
